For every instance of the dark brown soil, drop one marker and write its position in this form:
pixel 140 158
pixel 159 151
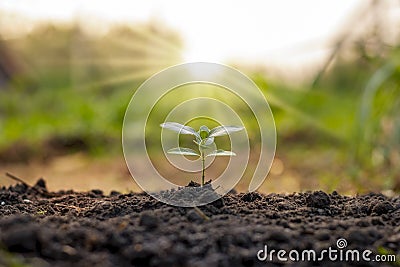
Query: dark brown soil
pixel 42 228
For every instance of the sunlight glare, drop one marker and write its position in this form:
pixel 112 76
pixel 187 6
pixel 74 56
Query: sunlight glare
pixel 218 31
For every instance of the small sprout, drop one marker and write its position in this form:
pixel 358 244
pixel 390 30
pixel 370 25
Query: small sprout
pixel 204 139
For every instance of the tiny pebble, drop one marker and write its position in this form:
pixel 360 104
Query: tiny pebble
pixel 3 203
pixel 27 201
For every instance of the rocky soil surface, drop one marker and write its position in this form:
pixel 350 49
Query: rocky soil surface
pixel 67 228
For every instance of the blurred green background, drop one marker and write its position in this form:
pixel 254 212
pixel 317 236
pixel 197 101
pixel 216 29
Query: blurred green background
pixel 64 90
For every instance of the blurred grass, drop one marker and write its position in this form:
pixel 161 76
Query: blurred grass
pixel 71 89
pixel 40 115
pixel 77 85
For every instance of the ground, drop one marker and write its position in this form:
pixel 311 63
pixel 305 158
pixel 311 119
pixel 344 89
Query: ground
pixel 67 228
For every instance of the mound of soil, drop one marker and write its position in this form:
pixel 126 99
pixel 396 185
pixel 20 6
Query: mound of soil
pixel 189 196
pixel 68 228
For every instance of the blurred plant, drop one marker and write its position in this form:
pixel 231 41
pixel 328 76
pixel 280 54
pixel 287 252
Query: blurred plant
pixel 378 135
pixel 204 139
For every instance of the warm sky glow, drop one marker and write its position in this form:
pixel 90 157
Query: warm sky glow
pixel 274 33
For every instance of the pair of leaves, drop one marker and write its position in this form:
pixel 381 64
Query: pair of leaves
pixel 204 138
pixel 190 152
pixel 217 131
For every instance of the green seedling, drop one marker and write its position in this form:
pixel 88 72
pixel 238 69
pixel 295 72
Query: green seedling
pixel 204 139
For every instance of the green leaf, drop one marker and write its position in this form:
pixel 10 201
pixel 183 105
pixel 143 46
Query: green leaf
pixel 224 130
pixel 208 141
pixel 179 128
pixel 204 132
pixel 221 152
pixel 182 151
